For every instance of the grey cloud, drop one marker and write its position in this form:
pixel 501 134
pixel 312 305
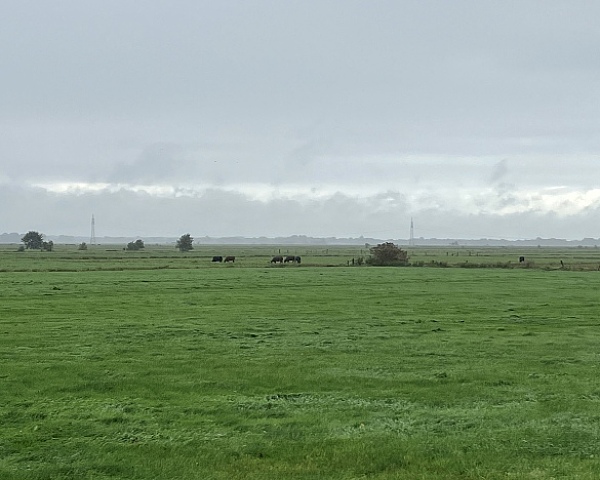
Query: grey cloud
pixel 507 199
pixel 309 151
pixel 328 95
pixel 157 163
pixel 220 213
pixel 232 62
pixel 499 171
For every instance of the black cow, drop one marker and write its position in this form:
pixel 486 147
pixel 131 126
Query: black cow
pixel 277 259
pixel 217 258
pixel 521 259
pixel 230 259
pixel 297 259
pixel 289 258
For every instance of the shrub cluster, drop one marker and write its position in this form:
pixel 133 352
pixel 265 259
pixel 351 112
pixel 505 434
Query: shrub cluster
pixel 137 245
pixel 387 254
pixel 486 265
pixel 432 263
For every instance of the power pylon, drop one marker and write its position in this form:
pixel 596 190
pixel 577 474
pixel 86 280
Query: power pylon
pixel 93 233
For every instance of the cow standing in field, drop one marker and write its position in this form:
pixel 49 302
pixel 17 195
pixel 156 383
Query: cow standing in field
pixel 217 258
pixel 521 259
pixel 297 259
pixel 277 259
pixel 289 258
pixel 230 258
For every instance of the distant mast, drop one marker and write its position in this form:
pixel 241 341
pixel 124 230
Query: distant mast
pixel 411 238
pixel 93 234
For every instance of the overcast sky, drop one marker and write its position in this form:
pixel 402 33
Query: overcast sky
pixel 322 118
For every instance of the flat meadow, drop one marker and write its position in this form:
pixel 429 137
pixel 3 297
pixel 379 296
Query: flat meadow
pixel 162 365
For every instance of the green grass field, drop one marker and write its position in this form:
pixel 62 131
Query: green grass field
pixel 158 365
pixel 154 257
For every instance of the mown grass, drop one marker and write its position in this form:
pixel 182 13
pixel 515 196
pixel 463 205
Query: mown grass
pixel 311 372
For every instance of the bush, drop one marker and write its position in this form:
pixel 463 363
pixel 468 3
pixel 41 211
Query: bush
pixel 432 263
pixel 388 254
pixel 134 246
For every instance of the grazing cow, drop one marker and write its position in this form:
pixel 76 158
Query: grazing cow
pixel 230 259
pixel 289 258
pixel 521 259
pixel 297 259
pixel 217 258
pixel 277 259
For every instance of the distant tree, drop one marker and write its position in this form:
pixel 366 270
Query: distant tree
pixel 184 244
pixel 33 240
pixel 82 246
pixel 137 245
pixel 388 254
pixel 48 246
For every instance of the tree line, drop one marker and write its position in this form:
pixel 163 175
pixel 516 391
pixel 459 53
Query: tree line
pixel 384 254
pixel 34 240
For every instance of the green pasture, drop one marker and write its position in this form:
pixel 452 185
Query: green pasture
pixel 161 365
pixel 153 257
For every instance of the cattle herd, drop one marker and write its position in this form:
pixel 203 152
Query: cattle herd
pixel 286 259
pixel 275 259
pixel 219 258
pixel 296 259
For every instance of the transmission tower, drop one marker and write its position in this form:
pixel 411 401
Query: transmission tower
pixel 411 239
pixel 93 234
